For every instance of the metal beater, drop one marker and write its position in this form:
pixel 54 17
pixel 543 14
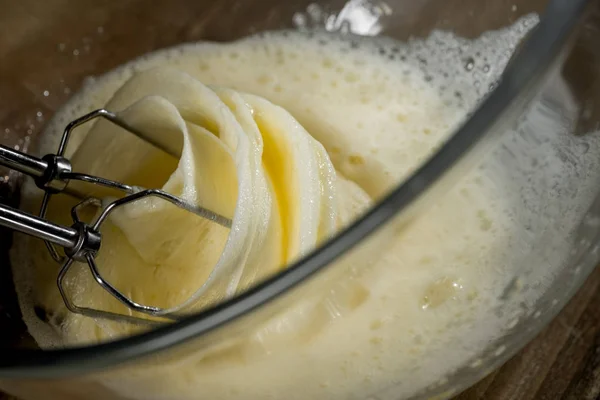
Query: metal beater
pixel 82 241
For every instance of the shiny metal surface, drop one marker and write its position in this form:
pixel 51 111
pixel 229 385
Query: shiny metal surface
pixel 22 162
pixel 82 241
pixel 13 218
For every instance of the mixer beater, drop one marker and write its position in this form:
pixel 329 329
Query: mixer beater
pixel 81 241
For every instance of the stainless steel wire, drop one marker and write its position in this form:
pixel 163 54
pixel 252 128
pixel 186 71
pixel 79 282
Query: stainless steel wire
pixel 82 241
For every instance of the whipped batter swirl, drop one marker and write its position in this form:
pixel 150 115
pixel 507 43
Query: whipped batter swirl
pixel 241 156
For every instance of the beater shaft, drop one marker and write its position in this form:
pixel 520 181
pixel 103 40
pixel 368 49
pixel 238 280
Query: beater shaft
pixel 35 226
pixel 81 241
pixel 22 162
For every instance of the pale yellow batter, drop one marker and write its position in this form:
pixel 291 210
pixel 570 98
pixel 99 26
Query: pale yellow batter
pixel 292 136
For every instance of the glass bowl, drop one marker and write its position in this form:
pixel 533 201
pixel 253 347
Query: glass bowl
pixel 538 125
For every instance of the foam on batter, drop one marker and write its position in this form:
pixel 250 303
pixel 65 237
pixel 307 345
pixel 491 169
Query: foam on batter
pixel 418 309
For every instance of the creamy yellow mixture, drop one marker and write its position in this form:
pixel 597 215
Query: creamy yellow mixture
pixel 292 136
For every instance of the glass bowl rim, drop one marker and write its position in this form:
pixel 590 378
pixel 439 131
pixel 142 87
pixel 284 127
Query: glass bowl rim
pixel 539 52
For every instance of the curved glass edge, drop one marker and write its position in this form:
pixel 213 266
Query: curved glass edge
pixel 517 87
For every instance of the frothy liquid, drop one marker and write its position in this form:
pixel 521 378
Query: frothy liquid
pixel 379 108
